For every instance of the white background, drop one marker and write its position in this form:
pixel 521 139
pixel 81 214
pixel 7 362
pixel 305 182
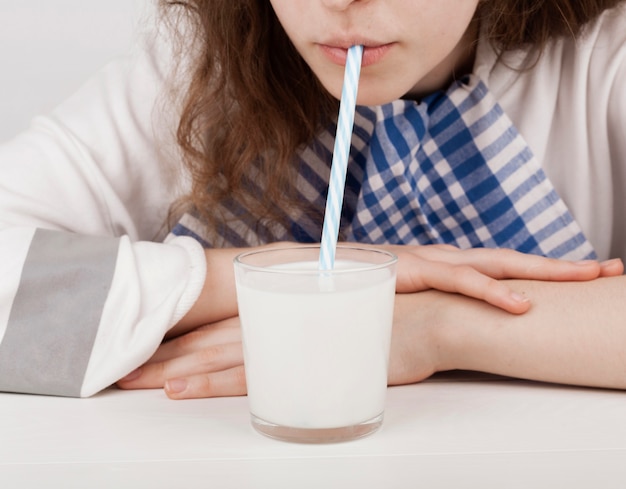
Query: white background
pixel 48 48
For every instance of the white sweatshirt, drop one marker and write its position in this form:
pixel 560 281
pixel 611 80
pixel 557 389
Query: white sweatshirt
pixel 87 290
pixel 82 306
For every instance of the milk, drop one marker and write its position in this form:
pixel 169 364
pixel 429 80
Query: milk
pixel 316 347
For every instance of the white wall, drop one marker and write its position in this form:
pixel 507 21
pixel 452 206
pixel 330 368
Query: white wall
pixel 49 47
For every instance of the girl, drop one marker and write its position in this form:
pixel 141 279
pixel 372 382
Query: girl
pixel 482 126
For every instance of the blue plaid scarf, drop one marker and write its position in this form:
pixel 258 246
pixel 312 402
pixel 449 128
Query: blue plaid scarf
pixel 452 169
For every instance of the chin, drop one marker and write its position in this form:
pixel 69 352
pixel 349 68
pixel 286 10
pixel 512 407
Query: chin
pixel 369 93
pixel 377 96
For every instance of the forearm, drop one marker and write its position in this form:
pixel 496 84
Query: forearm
pixel 433 330
pixel 575 333
pixel 218 298
pixel 421 267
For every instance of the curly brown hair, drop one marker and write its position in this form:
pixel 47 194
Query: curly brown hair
pixel 252 102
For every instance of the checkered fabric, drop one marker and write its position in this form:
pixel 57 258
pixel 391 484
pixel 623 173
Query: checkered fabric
pixel 452 169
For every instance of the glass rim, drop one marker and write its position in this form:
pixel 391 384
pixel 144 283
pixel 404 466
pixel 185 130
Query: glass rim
pixel 392 259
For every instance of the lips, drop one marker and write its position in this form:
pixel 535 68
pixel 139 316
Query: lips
pixel 372 53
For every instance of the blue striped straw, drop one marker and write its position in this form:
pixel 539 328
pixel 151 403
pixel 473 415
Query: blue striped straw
pixel 341 152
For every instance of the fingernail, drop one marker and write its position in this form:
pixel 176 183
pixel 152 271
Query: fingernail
pixel 135 374
pixel 608 263
pixel 176 385
pixel 519 298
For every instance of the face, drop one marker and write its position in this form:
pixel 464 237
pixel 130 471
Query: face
pixel 411 47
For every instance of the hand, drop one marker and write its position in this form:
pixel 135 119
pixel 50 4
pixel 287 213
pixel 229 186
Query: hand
pixel 479 272
pixel 206 362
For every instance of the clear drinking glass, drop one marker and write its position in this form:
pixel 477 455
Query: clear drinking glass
pixel 316 343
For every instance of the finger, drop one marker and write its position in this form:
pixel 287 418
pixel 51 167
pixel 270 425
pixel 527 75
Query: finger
pixel 203 337
pixel 518 265
pixel 206 360
pixel 506 263
pixel 611 268
pixel 230 382
pixel 466 280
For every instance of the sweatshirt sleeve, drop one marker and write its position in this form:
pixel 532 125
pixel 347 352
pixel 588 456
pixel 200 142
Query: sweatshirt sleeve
pixel 615 75
pixel 87 291
pixel 78 312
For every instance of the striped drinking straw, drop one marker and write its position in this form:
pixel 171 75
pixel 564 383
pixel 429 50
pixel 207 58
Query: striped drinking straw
pixel 341 152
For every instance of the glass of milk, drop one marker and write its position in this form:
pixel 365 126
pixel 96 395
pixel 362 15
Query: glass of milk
pixel 316 343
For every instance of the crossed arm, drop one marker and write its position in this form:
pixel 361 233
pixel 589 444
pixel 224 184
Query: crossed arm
pixel 495 311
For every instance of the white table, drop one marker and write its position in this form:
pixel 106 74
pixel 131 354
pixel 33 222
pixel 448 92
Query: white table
pixel 449 432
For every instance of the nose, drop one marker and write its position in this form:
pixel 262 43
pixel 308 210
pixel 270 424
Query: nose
pixel 339 4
